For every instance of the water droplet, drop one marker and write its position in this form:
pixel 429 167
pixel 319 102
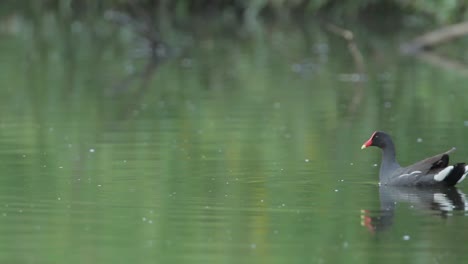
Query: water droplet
pixel 375 165
pixel 406 237
pixel 419 140
pixel 253 246
pixel 91 150
pixel 336 190
pixel 306 160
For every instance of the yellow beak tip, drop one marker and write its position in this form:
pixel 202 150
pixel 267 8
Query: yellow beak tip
pixel 363 147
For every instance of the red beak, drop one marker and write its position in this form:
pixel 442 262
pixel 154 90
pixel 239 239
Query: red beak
pixel 367 144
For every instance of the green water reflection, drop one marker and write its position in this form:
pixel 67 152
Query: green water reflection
pixel 242 150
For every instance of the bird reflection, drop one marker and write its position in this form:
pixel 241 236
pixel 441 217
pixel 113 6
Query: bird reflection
pixel 442 200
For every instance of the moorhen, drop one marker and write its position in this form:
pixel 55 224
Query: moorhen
pixel 433 171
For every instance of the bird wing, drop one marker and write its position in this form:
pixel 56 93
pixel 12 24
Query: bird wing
pixel 430 165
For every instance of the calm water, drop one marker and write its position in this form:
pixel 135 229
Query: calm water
pixel 235 150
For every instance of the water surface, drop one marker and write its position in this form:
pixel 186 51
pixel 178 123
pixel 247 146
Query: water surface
pixel 238 150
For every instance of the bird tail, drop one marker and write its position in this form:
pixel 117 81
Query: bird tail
pixel 453 175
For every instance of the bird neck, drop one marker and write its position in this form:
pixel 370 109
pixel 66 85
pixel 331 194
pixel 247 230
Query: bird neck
pixel 389 162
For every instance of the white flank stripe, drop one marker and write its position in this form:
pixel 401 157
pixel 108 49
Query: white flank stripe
pixel 443 173
pixel 408 174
